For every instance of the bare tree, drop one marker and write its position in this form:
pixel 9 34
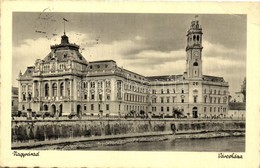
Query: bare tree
pixel 243 89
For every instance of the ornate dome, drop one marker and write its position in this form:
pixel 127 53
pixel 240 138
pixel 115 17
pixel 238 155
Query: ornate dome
pixel 65 51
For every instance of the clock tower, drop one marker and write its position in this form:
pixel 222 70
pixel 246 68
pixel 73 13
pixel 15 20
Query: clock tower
pixel 193 50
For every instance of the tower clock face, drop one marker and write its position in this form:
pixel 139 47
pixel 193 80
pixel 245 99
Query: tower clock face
pixel 196 53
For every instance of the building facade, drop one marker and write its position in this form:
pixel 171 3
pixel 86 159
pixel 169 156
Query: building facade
pixel 14 99
pixel 64 82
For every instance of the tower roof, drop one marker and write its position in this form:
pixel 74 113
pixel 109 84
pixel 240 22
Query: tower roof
pixel 64 51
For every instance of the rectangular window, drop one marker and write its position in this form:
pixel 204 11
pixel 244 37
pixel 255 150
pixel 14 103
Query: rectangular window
pixel 205 109
pixel 168 100
pixel 224 100
pixel 168 109
pixel 161 91
pixel 161 99
pixel 85 96
pixel 100 96
pixel 195 99
pixel 168 91
pixel 92 107
pixel 85 107
pixel 173 99
pixel 215 100
pixel 205 99
pixel 218 100
pixel 214 109
pixel 162 109
pixel 107 107
pixel 92 96
pixel 108 97
pixel 210 109
pixel 154 91
pixel 154 100
pixel 210 99
pixel 182 100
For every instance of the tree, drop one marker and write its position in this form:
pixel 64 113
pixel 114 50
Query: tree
pixel 243 89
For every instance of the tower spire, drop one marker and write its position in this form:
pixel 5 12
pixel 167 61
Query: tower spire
pixel 65 20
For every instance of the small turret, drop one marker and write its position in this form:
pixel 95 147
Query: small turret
pixel 64 39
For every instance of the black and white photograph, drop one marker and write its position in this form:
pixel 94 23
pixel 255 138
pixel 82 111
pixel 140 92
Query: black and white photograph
pixel 128 82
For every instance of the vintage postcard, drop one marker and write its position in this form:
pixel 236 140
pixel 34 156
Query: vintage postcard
pixel 130 84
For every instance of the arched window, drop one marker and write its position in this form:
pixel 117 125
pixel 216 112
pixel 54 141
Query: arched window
pixel 198 38
pixel 24 97
pixel 54 89
pixel 29 96
pixel 194 37
pixel 46 90
pixel 61 89
pixel 195 64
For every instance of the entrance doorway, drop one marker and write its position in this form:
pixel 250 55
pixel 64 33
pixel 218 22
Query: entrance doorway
pixel 195 112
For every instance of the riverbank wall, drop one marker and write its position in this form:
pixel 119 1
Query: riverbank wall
pixel 48 132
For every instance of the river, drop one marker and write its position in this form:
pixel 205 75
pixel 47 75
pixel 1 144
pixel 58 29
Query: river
pixel 223 144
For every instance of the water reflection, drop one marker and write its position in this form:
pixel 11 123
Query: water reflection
pixel 226 144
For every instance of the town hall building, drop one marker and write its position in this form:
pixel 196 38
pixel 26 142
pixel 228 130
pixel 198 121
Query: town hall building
pixel 64 82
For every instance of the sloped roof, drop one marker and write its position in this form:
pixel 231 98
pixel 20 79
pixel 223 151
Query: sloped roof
pixel 213 78
pixel 64 55
pixel 165 77
pixel 28 73
pixel 65 51
pixel 237 106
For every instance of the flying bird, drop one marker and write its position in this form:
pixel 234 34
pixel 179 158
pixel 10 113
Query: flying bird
pixel 65 20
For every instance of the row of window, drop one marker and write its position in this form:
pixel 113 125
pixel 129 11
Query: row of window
pixel 92 107
pixel 97 66
pixel 134 88
pixel 215 109
pixel 29 96
pixel 167 91
pixel 54 90
pixel 211 109
pixel 215 92
pixel 24 88
pixel 154 100
pixel 215 100
pixel 182 91
pixel 134 98
pixel 100 97
pixel 99 84
pixel 107 107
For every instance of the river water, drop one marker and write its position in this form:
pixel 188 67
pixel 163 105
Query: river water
pixel 223 144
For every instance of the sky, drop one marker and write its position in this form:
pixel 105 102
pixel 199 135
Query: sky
pixel 148 44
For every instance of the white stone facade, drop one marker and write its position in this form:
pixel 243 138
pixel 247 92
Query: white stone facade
pixel 64 83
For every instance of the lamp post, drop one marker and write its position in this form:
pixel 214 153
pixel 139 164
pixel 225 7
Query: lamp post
pixel 29 110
